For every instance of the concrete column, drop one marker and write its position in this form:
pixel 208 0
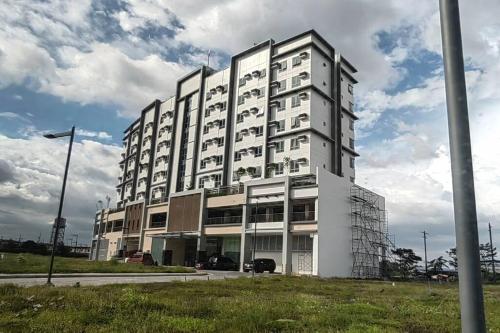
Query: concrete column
pixel 287 237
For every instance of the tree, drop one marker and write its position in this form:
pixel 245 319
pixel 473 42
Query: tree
pixel 407 260
pixel 485 252
pixel 452 253
pixel 437 265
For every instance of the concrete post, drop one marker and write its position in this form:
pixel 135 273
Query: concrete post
pixel 286 257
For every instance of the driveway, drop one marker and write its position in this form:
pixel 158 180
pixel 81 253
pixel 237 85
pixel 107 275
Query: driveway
pixel 107 279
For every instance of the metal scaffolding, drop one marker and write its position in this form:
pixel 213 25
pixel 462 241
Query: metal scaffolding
pixel 370 241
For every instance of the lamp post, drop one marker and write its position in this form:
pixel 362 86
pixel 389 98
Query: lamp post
pixel 71 134
pixel 464 201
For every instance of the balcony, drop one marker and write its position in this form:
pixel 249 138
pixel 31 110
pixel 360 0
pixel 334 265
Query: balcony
pixel 227 190
pixel 223 220
pixel 302 216
pixel 263 218
pixel 158 200
pixel 300 181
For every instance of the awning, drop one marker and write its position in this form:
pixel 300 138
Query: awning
pixel 175 235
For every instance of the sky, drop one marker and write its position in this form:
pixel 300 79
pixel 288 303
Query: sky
pixel 96 63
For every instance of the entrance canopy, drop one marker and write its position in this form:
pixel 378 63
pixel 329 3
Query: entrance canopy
pixel 176 235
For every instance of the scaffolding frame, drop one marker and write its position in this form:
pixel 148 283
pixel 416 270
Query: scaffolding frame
pixel 370 240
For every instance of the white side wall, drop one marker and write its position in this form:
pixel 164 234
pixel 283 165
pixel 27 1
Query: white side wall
pixel 334 226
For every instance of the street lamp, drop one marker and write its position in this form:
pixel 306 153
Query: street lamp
pixel 71 134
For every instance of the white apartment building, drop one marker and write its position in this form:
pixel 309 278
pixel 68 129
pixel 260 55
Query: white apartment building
pixel 264 147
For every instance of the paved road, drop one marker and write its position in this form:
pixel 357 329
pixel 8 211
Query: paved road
pixel 97 281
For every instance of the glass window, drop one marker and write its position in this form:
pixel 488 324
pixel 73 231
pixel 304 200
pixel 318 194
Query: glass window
pixel 242 81
pixel 258 151
pixel 237 156
pixel 294 166
pixel 295 81
pixel 295 101
pixel 281 126
pixel 259 131
pixel 278 169
pixel 282 105
pixel 283 66
pixel 295 122
pixel 296 61
pixel 282 85
pixel 351 162
pixel 349 88
pixel 280 146
pixel 294 144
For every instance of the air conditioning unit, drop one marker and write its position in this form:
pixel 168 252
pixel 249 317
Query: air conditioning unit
pixel 302 160
pixel 303 95
pixel 254 110
pixel 303 116
pixel 248 76
pixel 303 75
pixel 256 73
pixel 304 55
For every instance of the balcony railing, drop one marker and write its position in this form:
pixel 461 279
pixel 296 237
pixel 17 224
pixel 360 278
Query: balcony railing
pixel 227 190
pixel 159 200
pixel 306 180
pixel 116 210
pixel 223 220
pixel 263 218
pixel 302 216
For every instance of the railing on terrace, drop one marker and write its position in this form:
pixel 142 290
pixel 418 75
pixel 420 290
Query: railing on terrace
pixel 302 216
pixel 161 224
pixel 226 190
pixel 116 210
pixel 262 218
pixel 305 180
pixel 223 220
pixel 161 199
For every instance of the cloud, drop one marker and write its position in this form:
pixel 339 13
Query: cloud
pixel 12 115
pixel 93 134
pixel 30 183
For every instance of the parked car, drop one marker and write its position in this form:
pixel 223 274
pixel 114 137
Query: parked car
pixel 140 258
pixel 222 263
pixel 261 265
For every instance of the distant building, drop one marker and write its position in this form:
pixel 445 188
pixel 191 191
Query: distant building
pixel 267 143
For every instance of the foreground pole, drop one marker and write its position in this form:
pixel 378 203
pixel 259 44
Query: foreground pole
pixel 492 255
pixel 464 201
pixel 61 201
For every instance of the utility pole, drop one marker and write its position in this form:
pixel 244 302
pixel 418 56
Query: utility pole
pixel 464 200
pixel 425 252
pixel 492 256
pixel 255 236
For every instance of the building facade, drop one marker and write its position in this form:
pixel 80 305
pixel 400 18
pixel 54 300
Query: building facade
pixel 258 155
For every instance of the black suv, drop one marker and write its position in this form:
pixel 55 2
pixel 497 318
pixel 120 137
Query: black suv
pixel 261 265
pixel 219 263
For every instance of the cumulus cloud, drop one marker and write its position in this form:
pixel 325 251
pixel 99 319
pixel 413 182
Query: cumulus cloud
pixel 30 183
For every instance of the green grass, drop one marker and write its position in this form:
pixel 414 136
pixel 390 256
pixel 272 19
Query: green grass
pixel 277 304
pixel 30 263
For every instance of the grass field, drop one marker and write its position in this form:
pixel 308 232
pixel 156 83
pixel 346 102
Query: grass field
pixel 275 304
pixel 31 263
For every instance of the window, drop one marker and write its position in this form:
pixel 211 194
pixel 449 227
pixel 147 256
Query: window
pixel 224 89
pixel 349 88
pixel 351 162
pixel 351 179
pixel 351 143
pixel 351 124
pixel 209 95
pixel 239 137
pixel 280 146
pixel 207 112
pixel 239 118
pixel 295 101
pixel 223 106
pixel 294 166
pixel 351 107
pixel 237 156
pixel 262 73
pixel 203 164
pixel 294 144
pixel 217 180
pixel 272 243
pixel 302 243
pixel 201 182
pixel 295 122
pixel 282 66
pixel 296 61
pixel 259 131
pixel 241 99
pixel 242 82
pixel 158 220
pixel 278 169
pixel 258 151
pixel 281 126
pixel 218 160
pixel 220 142
pixel 282 85
pixel 222 123
pixel 205 129
pixel 261 93
pixel 295 81
pixel 282 105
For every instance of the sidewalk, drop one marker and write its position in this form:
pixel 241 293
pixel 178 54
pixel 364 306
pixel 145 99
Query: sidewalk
pixel 66 275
